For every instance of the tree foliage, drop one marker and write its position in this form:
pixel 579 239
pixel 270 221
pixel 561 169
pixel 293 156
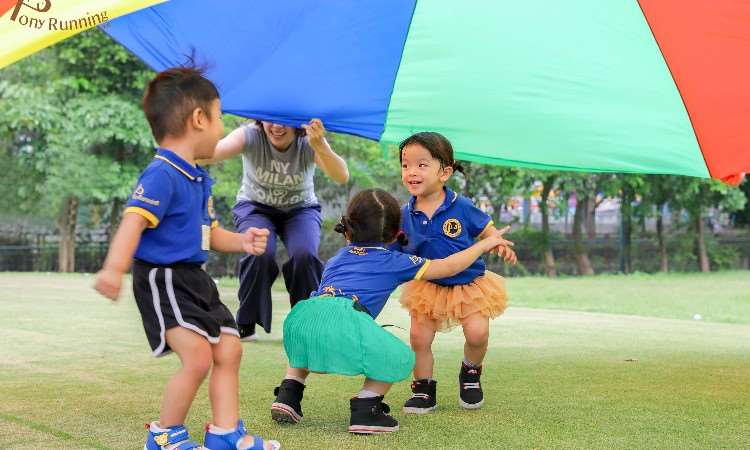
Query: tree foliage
pixel 72 133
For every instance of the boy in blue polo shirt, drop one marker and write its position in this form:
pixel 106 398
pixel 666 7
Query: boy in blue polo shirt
pixel 169 226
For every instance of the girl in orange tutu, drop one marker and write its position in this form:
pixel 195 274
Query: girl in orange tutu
pixel 439 222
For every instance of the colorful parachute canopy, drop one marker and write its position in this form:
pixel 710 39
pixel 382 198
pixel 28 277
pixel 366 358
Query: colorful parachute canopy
pixel 650 86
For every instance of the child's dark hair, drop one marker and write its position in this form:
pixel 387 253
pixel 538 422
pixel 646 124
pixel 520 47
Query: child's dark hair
pixel 373 215
pixel 438 145
pixel 172 96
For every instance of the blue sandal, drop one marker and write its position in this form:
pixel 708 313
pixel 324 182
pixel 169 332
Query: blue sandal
pixel 176 435
pixel 231 441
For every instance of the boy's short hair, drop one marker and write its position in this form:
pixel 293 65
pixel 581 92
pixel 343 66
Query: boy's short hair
pixel 172 96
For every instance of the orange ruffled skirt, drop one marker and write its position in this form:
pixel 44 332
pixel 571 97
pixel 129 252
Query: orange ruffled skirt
pixel 448 305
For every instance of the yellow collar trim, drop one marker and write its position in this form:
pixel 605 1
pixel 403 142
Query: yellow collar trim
pixel 175 166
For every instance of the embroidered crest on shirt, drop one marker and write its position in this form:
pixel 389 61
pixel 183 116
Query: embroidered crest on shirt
pixel 452 227
pixel 416 260
pixel 138 195
pixel 359 251
pixel 330 291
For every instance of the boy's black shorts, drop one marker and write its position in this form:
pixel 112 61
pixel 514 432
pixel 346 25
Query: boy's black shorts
pixel 179 295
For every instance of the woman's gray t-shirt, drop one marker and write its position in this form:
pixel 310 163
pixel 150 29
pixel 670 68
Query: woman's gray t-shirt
pixel 283 180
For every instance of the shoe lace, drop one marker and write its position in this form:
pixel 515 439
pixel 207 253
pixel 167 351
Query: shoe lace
pixel 470 385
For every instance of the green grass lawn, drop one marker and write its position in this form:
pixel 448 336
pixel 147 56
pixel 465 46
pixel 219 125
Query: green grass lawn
pixel 602 362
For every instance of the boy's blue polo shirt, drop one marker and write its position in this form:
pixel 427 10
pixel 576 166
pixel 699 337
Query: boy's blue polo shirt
pixel 453 227
pixel 369 273
pixel 175 198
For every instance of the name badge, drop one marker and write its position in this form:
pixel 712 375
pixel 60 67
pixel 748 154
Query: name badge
pixel 206 237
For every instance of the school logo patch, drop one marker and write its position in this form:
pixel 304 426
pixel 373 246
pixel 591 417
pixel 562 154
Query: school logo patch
pixel 452 227
pixel 359 251
pixel 211 211
pixel 138 194
pixel 416 260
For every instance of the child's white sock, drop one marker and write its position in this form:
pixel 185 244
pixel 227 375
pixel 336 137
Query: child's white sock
pixel 297 379
pixel 470 364
pixel 156 428
pixel 364 393
pixel 218 430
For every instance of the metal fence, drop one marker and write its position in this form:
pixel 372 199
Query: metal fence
pixel 725 253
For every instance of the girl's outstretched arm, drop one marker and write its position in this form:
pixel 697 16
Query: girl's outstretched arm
pixel 503 251
pixel 458 262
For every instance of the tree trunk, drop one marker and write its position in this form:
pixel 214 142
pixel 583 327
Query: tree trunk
pixel 526 211
pixel 582 258
pixel 591 217
pixel 626 232
pixel 663 257
pixel 67 225
pixel 115 215
pixel 700 242
pixel 548 257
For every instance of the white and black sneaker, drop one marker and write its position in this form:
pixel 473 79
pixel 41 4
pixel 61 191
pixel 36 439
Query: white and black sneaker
pixel 423 399
pixel 470 395
pixel 370 416
pixel 287 408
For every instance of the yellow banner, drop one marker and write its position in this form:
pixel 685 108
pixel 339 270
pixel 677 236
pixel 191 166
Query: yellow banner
pixel 27 26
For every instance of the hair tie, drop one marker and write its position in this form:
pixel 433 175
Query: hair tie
pixel 401 238
pixel 341 226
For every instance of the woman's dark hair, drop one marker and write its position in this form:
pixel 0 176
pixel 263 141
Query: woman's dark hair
pixel 438 145
pixel 373 215
pixel 298 132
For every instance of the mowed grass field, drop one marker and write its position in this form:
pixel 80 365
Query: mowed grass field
pixel 575 363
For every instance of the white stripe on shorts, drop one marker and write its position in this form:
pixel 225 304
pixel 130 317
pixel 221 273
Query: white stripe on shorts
pixel 230 330
pixel 157 308
pixel 178 314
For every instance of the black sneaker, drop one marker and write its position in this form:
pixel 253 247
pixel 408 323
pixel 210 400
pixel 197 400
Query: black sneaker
pixel 247 332
pixel 424 399
pixel 287 408
pixel 470 394
pixel 370 415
